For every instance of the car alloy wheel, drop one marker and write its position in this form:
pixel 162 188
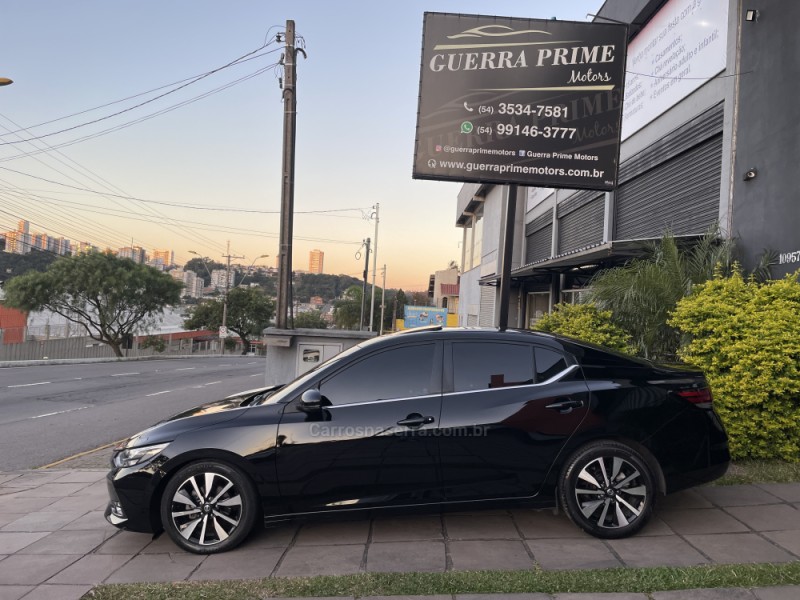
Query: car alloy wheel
pixel 607 490
pixel 208 507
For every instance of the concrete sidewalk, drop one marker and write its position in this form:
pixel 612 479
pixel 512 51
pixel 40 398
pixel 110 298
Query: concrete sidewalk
pixel 55 543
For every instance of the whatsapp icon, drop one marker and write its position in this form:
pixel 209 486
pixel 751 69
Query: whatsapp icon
pixel 466 127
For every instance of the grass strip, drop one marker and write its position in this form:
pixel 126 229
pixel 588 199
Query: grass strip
pixel 642 580
pixel 760 471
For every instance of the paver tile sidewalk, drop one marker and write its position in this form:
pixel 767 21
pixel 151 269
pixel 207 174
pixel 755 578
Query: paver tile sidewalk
pixel 55 543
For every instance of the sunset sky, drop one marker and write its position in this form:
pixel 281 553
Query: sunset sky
pixel 202 164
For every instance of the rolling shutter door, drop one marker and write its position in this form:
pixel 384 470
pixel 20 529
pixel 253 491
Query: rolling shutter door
pixel 486 313
pixel 681 195
pixel 539 238
pixel 582 226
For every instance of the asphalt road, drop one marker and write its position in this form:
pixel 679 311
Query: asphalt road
pixel 54 411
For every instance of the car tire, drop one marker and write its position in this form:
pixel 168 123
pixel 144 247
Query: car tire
pixel 208 507
pixel 607 489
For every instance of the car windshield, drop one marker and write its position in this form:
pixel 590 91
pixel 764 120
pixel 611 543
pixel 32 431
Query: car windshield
pixel 289 390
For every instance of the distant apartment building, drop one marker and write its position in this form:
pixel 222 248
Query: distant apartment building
pixel 136 253
pixel 315 260
pixel 167 257
pixel 85 248
pixel 39 241
pixel 60 246
pixel 218 279
pixel 192 284
pixel 19 241
pixel 16 242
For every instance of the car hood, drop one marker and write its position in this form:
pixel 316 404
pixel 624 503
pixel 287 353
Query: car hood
pixel 201 416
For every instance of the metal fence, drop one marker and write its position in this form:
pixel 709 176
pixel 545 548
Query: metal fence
pixel 70 342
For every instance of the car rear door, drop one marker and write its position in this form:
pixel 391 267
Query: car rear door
pixel 374 443
pixel 507 411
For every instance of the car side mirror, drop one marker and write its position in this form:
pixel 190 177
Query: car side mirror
pixel 311 399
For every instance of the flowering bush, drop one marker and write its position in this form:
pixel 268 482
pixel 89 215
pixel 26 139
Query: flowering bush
pixel 586 322
pixel 746 338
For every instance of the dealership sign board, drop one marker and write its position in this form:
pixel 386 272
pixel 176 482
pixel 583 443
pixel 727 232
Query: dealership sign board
pixel 527 101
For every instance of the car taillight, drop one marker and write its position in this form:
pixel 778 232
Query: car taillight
pixel 695 396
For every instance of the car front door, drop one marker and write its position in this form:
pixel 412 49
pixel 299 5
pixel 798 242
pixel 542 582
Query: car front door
pixel 373 442
pixel 507 411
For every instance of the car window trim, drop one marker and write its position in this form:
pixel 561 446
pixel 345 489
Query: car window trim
pixel 383 401
pixel 553 379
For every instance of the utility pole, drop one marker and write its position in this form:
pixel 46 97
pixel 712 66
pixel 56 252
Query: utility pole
pixel 374 265
pixel 364 286
pixel 508 251
pixel 225 297
pixel 287 190
pixel 383 299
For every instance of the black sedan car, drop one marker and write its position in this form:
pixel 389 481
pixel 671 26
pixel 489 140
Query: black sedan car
pixel 427 419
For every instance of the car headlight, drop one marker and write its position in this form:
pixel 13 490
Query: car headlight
pixel 130 457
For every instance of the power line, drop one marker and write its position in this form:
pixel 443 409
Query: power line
pixel 139 105
pixel 187 206
pixel 140 119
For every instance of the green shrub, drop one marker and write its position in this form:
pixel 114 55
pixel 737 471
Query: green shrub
pixel 586 322
pixel 746 338
pixel 156 342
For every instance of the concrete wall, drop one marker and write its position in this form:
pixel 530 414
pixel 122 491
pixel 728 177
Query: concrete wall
pixel 283 346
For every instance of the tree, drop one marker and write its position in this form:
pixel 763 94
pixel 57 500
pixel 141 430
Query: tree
pixel 14 265
pixel 203 267
pixel 642 293
pixel 420 299
pixel 109 297
pixel 347 311
pixel 401 301
pixel 310 320
pixel 249 313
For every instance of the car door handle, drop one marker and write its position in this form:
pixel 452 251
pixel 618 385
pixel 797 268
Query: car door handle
pixel 565 405
pixel 415 420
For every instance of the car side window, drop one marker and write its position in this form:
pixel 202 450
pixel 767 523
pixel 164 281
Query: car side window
pixel 403 372
pixel 549 363
pixel 487 365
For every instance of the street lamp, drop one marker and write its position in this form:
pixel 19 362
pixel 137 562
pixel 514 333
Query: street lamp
pixel 251 266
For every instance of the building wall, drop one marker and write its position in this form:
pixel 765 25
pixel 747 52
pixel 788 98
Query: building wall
pixel 766 209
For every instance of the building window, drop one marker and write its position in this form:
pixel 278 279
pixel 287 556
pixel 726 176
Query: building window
pixel 578 296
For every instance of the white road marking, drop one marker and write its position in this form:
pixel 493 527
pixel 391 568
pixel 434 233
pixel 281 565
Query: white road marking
pixel 212 383
pixel 225 365
pixel 158 393
pixel 29 384
pixel 123 374
pixel 186 369
pixel 60 412
pixel 256 375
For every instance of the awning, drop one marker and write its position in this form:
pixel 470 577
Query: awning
pixel 595 257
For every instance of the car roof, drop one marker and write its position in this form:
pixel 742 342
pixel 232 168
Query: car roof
pixel 437 332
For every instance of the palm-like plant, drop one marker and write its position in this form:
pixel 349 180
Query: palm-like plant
pixel 642 293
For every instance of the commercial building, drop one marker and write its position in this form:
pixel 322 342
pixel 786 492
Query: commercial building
pixel 710 135
pixel 315 261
